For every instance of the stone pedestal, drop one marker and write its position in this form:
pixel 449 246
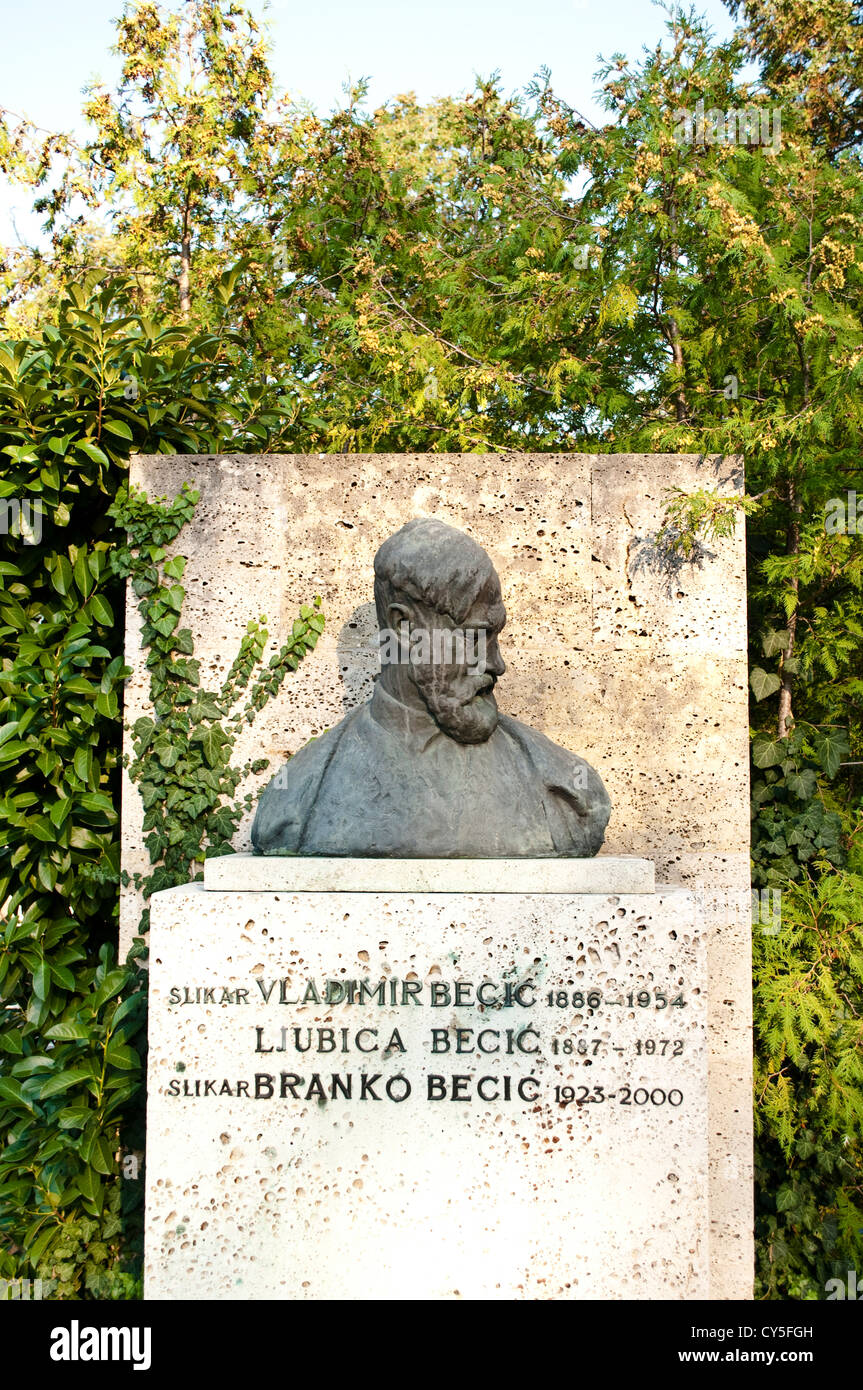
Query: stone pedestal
pixel 401 1093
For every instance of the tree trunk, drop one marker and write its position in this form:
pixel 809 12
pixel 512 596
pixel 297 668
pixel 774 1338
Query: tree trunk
pixel 681 408
pixel 793 548
pixel 185 280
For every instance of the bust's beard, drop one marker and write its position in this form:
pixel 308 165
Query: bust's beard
pixel 458 708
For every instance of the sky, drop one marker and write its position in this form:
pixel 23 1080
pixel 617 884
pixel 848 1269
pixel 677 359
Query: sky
pixel 50 50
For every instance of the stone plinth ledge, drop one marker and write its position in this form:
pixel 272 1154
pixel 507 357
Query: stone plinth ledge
pixel 296 873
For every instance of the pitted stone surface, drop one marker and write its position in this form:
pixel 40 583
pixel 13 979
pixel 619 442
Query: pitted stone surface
pixel 640 670
pixel 415 1194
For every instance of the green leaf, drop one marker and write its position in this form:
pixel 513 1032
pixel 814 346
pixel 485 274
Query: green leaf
pixel 831 747
pixel 111 985
pixel 61 575
pixel 120 428
pixel 11 1092
pixel 97 801
pixel 12 750
pixel 134 1004
pixel 101 610
pixel 56 1085
pixel 212 741
pixel 119 1055
pixel 763 683
pixel 62 975
pixel 167 753
pixel 41 827
pixel 95 453
pixel 88 1183
pixel 29 1066
pixel 143 728
pixel 802 784
pixel 68 1032
pixel 78 685
pixel 37 1249
pixel 102 1156
pixel 767 752
pixel 106 704
pixel 81 761
pixel 42 980
pixel 83 578
pixel 47 874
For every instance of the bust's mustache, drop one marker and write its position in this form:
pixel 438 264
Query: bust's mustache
pixel 484 686
pixel 464 685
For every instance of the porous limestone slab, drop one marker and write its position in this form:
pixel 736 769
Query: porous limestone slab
pixel 298 873
pixel 448 1172
pixel 636 663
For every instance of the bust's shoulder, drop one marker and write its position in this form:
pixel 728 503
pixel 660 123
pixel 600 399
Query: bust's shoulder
pixel 560 769
pixel 287 801
pixel 318 751
pixel 574 791
pixel 539 747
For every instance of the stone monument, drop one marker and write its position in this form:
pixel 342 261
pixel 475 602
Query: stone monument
pixel 462 1054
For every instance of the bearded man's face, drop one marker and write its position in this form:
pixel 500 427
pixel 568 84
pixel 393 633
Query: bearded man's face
pixel 459 693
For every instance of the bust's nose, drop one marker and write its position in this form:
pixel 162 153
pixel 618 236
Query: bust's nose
pixel 494 661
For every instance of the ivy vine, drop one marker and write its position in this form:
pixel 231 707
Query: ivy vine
pixel 182 755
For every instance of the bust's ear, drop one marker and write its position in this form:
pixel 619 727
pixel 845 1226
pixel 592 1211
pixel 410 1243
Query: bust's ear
pixel 398 613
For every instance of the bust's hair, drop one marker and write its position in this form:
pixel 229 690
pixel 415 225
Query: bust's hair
pixel 432 563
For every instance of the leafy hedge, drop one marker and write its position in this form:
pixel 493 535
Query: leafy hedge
pixel 808 1017
pixel 75 402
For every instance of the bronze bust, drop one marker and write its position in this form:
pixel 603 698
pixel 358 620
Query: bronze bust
pixel 428 767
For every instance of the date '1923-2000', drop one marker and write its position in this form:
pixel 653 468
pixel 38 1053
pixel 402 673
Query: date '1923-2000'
pixel 624 1095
